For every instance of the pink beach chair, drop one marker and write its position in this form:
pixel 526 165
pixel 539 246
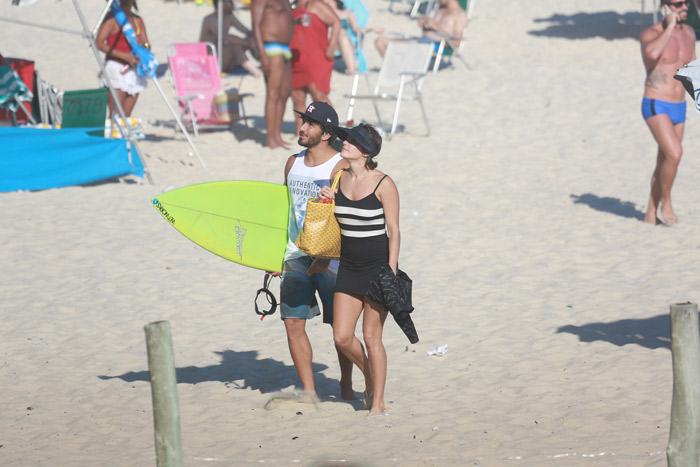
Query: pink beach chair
pixel 195 74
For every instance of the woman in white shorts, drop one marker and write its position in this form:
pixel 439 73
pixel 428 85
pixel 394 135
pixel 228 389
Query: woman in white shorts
pixel 120 64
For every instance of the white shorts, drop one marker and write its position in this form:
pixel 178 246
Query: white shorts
pixel 129 81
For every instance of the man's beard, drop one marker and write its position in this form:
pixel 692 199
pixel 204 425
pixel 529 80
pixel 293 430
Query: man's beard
pixel 310 141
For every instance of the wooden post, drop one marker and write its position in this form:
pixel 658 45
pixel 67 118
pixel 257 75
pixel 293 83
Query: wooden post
pixel 166 413
pixel 684 439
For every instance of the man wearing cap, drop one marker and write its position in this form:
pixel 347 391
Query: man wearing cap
pixel 666 46
pixel 305 174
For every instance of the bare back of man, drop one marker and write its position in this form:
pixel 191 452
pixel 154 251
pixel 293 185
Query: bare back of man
pixel 666 46
pixel 273 27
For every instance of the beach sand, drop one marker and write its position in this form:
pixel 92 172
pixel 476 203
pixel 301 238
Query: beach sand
pixel 521 229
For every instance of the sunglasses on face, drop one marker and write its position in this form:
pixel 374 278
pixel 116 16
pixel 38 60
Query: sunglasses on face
pixel 678 4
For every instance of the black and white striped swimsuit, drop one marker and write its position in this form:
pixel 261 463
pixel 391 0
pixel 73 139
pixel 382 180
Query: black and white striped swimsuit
pixel 364 245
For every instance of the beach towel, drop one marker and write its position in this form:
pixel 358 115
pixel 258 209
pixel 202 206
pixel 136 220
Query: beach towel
pixel 689 75
pixel 12 89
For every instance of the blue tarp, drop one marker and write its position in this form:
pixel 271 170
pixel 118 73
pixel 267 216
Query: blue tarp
pixel 37 159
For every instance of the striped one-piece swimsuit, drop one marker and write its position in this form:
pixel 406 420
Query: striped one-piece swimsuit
pixel 364 245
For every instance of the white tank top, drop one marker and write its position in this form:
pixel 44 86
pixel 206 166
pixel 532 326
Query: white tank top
pixel 303 183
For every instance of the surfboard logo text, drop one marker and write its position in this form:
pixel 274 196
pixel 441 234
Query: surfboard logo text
pixel 240 233
pixel 163 211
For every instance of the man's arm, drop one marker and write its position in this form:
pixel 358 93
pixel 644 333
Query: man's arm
pixel 653 43
pixel 287 168
pixel 257 11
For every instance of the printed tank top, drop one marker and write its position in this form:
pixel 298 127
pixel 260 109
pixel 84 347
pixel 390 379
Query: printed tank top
pixel 303 183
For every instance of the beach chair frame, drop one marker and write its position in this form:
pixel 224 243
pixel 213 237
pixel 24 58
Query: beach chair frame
pixel 448 49
pixel 400 79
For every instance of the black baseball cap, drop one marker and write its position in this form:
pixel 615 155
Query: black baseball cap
pixel 320 112
pixel 360 135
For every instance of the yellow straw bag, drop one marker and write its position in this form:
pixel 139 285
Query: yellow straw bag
pixel 320 236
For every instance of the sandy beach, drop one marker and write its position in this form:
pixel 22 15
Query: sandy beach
pixel 521 221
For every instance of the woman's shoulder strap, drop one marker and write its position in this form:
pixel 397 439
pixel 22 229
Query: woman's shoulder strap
pixel 380 182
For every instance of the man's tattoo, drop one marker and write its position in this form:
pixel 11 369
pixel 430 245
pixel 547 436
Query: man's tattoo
pixel 654 78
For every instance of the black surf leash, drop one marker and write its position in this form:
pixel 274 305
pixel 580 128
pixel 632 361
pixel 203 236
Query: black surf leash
pixel 268 295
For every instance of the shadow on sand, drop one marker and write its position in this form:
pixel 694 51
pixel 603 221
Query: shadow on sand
pixel 242 370
pixel 610 205
pixel 608 25
pixel 652 333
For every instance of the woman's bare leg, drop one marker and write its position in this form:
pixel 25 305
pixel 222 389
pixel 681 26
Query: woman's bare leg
pixel 346 312
pixel 372 329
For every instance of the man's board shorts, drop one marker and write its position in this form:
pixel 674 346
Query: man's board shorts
pixel 427 40
pixel 675 110
pixel 272 49
pixel 298 291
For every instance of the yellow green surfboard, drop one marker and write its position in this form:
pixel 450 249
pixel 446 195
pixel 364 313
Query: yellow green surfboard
pixel 242 221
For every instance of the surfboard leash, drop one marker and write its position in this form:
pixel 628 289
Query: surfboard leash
pixel 268 295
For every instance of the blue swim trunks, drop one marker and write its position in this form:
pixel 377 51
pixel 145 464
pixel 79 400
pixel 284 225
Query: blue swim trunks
pixel 426 39
pixel 273 49
pixel 675 110
pixel 298 291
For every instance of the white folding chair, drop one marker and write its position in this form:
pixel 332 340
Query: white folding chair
pixel 400 79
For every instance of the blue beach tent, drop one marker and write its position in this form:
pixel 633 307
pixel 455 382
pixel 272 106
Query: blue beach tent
pixel 38 159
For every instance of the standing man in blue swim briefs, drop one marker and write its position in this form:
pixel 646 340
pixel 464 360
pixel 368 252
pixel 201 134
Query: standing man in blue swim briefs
pixel 666 46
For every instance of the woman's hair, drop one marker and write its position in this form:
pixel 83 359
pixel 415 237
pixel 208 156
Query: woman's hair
pixel 339 4
pixel 376 138
pixel 136 7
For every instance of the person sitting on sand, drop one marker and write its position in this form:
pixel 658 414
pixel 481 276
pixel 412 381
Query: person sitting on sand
pixel 234 47
pixel 450 19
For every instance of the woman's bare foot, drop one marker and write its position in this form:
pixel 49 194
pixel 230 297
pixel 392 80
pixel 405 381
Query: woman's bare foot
pixel 667 216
